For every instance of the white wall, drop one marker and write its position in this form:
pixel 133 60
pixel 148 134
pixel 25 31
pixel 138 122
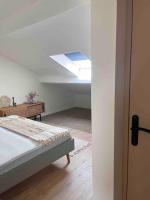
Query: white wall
pixel 103 95
pixel 17 81
pixel 82 100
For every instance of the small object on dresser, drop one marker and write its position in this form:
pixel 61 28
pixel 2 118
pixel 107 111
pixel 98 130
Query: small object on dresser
pixel 14 104
pixel 5 101
pixel 31 97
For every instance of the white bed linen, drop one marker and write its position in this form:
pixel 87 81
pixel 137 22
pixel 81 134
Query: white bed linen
pixel 16 149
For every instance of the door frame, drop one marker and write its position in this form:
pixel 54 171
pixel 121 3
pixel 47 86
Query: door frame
pixel 122 96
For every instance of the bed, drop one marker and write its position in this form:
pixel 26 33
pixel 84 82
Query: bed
pixel 22 157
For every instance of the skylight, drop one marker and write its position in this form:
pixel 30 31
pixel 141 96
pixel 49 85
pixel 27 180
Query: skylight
pixel 76 62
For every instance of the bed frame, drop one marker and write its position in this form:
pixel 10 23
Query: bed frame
pixel 31 167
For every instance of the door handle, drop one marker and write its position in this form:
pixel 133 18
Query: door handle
pixel 135 130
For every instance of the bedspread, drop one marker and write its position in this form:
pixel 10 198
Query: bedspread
pixel 34 130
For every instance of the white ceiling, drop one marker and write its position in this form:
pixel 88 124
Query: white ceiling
pixel 16 14
pixel 37 29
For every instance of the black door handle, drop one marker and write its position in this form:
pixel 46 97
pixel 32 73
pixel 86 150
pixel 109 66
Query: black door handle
pixel 135 130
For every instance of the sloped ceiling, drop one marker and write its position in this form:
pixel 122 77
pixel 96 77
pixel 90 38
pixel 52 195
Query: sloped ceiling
pixel 16 14
pixel 32 30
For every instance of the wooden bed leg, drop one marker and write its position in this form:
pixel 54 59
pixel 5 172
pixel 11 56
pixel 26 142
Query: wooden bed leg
pixel 68 157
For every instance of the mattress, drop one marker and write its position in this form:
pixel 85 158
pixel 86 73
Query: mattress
pixel 16 149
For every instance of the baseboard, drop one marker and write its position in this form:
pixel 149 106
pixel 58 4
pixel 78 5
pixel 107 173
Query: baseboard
pixel 80 107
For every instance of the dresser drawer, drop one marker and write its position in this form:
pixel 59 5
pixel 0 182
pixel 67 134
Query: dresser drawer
pixel 35 109
pixel 19 112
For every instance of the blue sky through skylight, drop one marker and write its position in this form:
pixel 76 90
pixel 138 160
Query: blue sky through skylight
pixel 76 56
pixel 77 63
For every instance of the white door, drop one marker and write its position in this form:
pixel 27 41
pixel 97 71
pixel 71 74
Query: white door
pixel 139 151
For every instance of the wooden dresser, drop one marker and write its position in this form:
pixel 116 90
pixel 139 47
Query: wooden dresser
pixel 24 110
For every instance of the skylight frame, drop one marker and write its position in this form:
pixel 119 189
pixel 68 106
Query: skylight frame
pixel 74 64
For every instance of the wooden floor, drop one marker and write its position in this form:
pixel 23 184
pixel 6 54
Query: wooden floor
pixel 59 181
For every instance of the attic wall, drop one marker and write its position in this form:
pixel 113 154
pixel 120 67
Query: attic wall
pixel 82 100
pixel 17 81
